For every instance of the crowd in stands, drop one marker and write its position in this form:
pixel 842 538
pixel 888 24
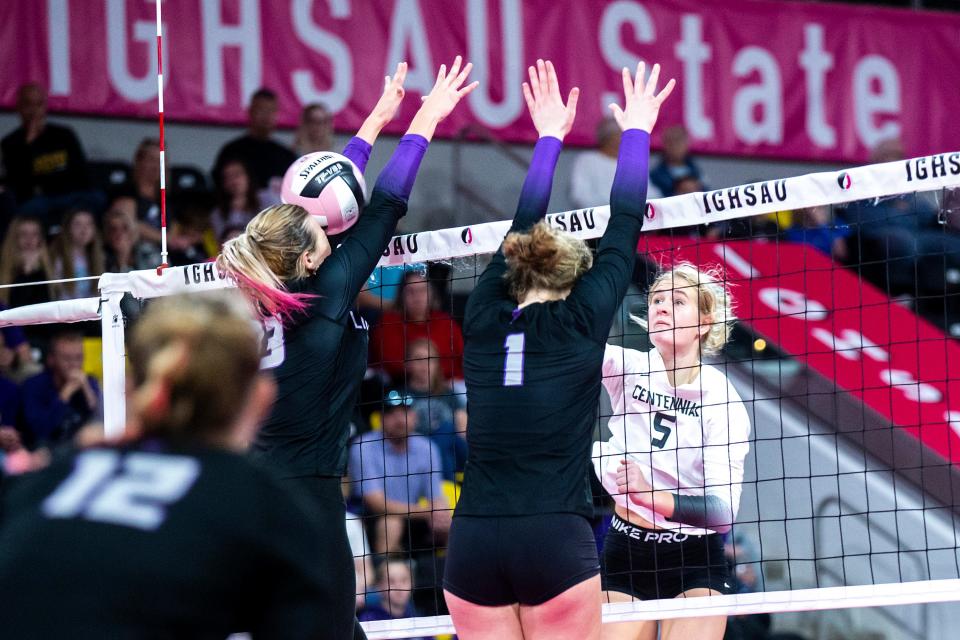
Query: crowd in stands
pixel 63 218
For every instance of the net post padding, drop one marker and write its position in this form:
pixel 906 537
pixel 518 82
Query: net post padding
pixel 114 367
pixel 61 311
pixel 877 595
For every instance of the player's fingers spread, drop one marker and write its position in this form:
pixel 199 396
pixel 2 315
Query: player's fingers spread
pixel 627 83
pixel 528 96
pixel 651 87
pixel 552 81
pixel 467 89
pixel 572 100
pixel 455 68
pixel 667 90
pixel 461 78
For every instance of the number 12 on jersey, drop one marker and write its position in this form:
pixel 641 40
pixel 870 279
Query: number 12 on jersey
pixel 513 363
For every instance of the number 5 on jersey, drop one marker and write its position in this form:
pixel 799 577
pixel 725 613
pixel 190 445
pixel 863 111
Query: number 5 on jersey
pixel 663 429
pixel 513 363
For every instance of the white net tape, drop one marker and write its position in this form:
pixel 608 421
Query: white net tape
pixel 862 183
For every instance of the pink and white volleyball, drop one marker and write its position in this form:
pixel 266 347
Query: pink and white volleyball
pixel 329 186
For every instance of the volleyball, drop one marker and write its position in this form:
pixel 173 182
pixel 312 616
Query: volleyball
pixel 329 186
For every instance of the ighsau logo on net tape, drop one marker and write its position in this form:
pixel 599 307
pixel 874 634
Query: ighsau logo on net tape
pixel 467 236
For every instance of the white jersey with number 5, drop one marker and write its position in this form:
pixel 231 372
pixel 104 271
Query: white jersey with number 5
pixel 690 439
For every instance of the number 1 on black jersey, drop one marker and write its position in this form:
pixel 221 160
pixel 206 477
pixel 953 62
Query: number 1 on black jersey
pixel 513 363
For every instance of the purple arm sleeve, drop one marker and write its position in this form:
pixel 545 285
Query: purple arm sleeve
pixel 535 196
pixel 397 177
pixel 358 151
pixel 629 193
pixel 598 293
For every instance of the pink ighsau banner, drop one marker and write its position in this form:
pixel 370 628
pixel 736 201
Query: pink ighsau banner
pixel 775 79
pixel 845 329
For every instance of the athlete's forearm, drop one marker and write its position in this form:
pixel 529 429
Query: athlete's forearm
pixel 535 195
pixel 400 172
pixel 358 152
pixel 628 195
pixel 707 511
pixel 661 502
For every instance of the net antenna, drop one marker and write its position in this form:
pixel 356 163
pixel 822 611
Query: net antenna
pixel 163 173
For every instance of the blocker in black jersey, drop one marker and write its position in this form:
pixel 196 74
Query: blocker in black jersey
pixel 319 360
pixel 533 374
pixel 150 542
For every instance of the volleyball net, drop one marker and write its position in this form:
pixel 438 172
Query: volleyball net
pixel 847 288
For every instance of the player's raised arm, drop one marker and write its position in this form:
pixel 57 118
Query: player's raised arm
pixel 553 118
pixel 359 253
pixel 599 292
pixel 359 147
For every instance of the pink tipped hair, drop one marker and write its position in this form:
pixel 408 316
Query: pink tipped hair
pixel 274 302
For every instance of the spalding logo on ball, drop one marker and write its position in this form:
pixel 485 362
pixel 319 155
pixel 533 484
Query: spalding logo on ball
pixel 328 186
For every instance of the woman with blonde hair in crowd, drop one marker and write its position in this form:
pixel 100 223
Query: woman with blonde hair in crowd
pixel 522 560
pixel 316 342
pixel 25 259
pixel 78 253
pixel 674 461
pixel 171 531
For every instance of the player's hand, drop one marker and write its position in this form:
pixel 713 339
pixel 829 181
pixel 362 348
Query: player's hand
pixel 393 93
pixel 448 90
pixel 631 482
pixel 550 115
pixel 642 100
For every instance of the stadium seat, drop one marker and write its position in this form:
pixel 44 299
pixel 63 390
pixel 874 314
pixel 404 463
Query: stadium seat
pixel 107 175
pixel 187 178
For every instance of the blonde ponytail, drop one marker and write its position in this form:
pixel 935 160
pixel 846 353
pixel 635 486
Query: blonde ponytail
pixel 267 254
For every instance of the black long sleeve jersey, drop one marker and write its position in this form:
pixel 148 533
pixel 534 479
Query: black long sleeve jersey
pixel 533 374
pixel 319 360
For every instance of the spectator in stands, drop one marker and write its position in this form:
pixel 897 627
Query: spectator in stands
pixel 58 402
pixel 191 226
pixel 145 186
pixel 416 316
pixel 77 252
pixel 45 166
pixel 123 248
pixel 238 200
pixel 9 410
pixel 25 259
pixel 229 234
pixel 900 237
pixel 676 162
pixel 592 174
pixel 391 600
pixel 315 132
pixel 815 226
pixel 265 158
pixel 16 357
pixel 441 411
pixel 397 474
pixel 380 293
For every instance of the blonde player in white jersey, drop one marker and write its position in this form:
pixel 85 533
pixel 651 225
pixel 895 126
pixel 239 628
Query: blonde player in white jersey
pixel 674 462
